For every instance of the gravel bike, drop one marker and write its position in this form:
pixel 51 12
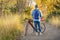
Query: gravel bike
pixel 29 26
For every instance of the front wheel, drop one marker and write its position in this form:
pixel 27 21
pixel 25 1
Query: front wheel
pixel 43 28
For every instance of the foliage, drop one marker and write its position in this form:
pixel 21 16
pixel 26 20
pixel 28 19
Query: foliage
pixel 53 13
pixel 57 4
pixel 14 9
pixel 13 6
pixel 27 10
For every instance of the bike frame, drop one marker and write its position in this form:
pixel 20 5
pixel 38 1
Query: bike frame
pixel 29 21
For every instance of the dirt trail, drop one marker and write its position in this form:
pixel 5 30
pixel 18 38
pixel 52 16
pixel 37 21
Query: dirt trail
pixel 51 33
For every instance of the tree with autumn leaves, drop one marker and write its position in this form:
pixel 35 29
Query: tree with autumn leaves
pixel 13 6
pixel 47 6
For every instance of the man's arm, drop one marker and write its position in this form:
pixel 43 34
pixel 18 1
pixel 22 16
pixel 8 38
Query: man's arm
pixel 40 12
pixel 32 13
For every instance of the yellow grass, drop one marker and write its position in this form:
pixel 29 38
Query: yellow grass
pixel 10 26
pixel 55 21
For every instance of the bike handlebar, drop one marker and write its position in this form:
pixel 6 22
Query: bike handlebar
pixel 28 19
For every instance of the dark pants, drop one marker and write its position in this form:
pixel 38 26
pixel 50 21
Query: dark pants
pixel 37 26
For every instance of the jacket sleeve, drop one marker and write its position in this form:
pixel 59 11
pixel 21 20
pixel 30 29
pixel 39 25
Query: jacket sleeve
pixel 40 12
pixel 32 13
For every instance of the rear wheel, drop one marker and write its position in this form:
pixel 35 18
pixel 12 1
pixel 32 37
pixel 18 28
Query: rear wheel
pixel 28 29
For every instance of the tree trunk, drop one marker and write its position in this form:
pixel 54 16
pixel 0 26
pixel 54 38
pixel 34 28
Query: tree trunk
pixel 21 5
pixel 0 8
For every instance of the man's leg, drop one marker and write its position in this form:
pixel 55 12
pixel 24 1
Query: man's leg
pixel 35 26
pixel 39 26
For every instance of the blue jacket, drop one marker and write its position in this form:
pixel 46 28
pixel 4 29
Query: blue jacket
pixel 40 15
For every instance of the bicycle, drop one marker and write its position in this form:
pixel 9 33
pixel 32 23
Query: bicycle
pixel 30 22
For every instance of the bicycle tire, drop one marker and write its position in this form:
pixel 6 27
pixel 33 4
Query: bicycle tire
pixel 28 29
pixel 25 30
pixel 43 28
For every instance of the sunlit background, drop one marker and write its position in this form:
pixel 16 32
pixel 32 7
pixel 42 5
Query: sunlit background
pixel 13 13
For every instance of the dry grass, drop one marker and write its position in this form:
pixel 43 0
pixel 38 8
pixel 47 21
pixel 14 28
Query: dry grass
pixel 10 27
pixel 55 21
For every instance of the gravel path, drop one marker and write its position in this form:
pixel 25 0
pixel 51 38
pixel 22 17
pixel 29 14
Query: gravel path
pixel 51 33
